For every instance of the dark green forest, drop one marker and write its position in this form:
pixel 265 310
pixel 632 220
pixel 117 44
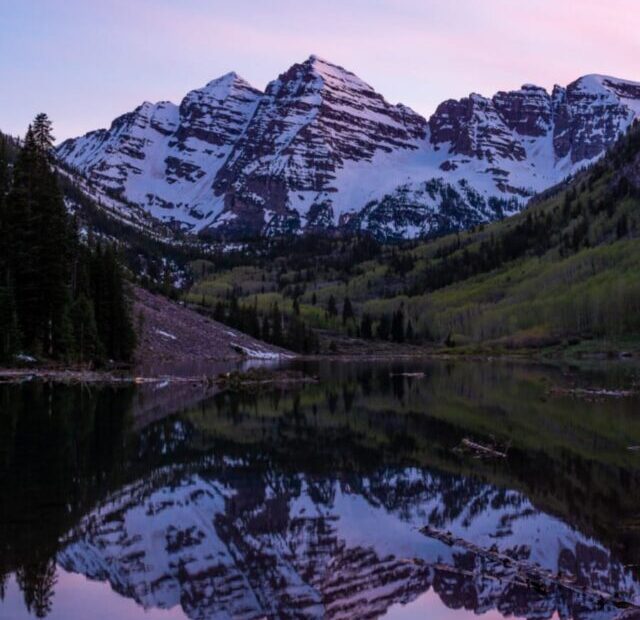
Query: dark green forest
pixel 60 299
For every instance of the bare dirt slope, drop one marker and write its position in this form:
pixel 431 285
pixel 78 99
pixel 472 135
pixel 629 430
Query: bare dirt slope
pixel 171 334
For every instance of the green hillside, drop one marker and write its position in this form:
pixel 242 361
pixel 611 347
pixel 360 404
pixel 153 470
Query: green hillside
pixel 565 270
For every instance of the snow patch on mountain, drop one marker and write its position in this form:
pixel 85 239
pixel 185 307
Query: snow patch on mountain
pixel 320 144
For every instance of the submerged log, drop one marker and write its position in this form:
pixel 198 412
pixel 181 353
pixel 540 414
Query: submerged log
pixel 467 445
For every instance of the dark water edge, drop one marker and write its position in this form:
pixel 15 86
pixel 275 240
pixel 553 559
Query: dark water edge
pixel 167 501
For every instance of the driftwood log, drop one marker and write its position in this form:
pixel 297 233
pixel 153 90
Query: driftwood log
pixel 467 445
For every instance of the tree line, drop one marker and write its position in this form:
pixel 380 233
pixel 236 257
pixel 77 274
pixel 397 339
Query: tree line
pixel 393 326
pixel 60 299
pixel 273 326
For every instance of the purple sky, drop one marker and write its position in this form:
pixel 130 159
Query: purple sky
pixel 85 62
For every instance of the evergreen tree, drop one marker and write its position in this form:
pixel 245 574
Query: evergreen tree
pixel 276 322
pixel 112 312
pixel 384 327
pixel 622 227
pixel 59 296
pixel 332 309
pixel 347 310
pixel 43 135
pixel 397 326
pixel 410 335
pixel 366 328
pixel 4 167
pixel 39 245
pixel 87 342
pixel 9 332
pixel 219 312
pixel 265 331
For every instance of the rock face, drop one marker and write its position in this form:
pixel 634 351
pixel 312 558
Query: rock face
pixel 311 121
pixel 320 148
pixel 164 157
pixel 229 542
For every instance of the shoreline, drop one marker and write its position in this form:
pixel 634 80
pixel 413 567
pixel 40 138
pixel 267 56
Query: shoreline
pixel 140 376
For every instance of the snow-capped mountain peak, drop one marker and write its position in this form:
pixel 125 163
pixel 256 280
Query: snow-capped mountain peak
pixel 320 148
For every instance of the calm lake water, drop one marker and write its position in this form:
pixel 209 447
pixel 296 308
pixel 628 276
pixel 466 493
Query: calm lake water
pixel 169 502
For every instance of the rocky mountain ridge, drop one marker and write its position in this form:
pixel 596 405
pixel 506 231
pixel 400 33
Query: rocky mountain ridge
pixel 321 150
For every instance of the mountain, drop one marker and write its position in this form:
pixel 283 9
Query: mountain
pixel 320 149
pixel 165 157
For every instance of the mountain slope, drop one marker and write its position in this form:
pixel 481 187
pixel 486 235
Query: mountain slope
pixel 292 162
pixel 321 149
pixel 165 157
pixel 174 339
pixel 564 270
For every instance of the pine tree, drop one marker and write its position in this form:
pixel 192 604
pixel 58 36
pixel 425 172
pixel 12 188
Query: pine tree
pixel 366 328
pixel 39 244
pixel 276 321
pixel 87 342
pixel 384 327
pixel 265 331
pixel 9 332
pixel 332 309
pixel 43 136
pixel 59 297
pixel 347 311
pixel 219 312
pixel 112 312
pixel 410 333
pixel 397 326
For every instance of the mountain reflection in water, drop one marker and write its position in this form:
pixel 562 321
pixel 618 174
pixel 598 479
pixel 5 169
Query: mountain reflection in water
pixel 309 503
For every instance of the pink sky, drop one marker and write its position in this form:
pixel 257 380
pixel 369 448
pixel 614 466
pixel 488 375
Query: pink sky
pixel 86 62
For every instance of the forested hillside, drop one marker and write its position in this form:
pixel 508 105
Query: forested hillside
pixel 566 269
pixel 60 299
pixel 563 271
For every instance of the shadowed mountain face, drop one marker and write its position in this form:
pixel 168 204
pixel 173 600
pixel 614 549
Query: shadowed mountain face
pixel 320 149
pixel 311 503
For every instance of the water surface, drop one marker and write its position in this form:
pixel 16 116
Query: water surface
pixel 173 502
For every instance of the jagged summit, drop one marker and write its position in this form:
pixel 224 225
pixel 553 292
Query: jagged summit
pixel 225 82
pixel 321 149
pixel 331 72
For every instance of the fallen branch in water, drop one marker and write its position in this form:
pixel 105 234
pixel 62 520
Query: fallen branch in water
pixel 259 378
pixel 480 450
pixel 416 375
pixel 591 393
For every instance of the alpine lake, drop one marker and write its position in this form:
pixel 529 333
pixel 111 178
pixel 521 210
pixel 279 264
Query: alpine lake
pixel 378 489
